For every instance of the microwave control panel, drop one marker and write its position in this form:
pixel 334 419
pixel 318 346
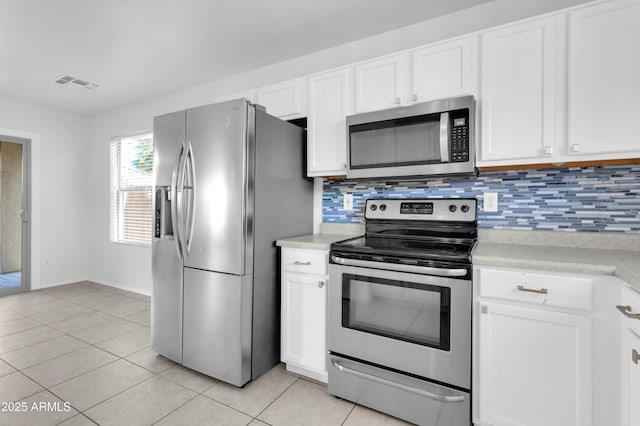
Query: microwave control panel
pixel 460 136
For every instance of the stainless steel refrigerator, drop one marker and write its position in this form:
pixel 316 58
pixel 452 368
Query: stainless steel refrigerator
pixel 229 181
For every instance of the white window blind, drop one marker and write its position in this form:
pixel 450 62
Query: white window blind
pixel 131 186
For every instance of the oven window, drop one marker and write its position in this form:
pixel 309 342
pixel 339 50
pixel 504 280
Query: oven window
pixel 417 313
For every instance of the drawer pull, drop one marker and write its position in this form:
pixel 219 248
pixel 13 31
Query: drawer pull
pixel 626 311
pixel 297 262
pixel 320 284
pixel 533 290
pixel 635 356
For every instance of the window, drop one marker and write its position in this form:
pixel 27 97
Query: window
pixel 131 186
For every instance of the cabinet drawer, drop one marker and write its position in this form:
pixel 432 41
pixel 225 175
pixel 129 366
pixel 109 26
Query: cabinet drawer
pixel 631 298
pixel 305 261
pixel 538 288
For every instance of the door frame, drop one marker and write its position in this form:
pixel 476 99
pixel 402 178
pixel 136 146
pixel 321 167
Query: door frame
pixel 26 142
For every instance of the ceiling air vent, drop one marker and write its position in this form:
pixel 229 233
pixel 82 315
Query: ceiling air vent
pixel 66 79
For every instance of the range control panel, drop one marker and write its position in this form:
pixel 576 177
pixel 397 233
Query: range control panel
pixel 432 209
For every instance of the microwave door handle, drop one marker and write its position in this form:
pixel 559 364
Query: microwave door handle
pixel 444 137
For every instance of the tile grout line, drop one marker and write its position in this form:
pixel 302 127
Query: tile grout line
pixel 49 325
pixel 276 398
pixel 153 373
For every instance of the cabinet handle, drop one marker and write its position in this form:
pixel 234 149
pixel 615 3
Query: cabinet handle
pixel 548 150
pixel 398 100
pixel 533 290
pixel 320 284
pixel 414 97
pixel 626 311
pixel 635 356
pixel 575 147
pixel 297 262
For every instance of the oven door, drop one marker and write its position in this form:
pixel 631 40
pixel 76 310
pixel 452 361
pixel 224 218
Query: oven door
pixel 415 323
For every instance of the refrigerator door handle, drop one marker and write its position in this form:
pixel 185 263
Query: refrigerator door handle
pixel 181 187
pixel 175 201
pixel 189 190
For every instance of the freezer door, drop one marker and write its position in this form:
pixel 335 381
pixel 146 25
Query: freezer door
pixel 168 136
pixel 214 181
pixel 217 325
pixel 166 300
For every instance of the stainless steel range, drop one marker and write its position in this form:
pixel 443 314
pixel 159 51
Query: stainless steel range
pixel 399 327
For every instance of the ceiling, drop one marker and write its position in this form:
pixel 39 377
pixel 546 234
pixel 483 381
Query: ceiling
pixel 137 49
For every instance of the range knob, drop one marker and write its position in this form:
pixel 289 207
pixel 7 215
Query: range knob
pixel 383 207
pixel 373 207
pixel 452 208
pixel 464 208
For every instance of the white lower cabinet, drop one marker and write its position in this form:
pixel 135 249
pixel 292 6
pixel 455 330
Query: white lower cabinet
pixel 630 378
pixel 533 361
pixel 534 367
pixel 303 312
pixel 630 358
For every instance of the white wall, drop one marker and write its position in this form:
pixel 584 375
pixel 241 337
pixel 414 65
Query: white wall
pixel 130 267
pixel 58 189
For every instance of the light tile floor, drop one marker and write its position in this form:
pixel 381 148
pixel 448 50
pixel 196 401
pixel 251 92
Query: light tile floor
pixel 79 355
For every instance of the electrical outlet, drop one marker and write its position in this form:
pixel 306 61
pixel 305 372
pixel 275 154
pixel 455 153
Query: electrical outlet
pixel 490 202
pixel 347 201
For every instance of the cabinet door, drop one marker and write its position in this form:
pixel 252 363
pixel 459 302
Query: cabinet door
pixel 442 70
pixel 328 108
pixel 517 88
pixel 379 83
pixel 535 367
pixel 630 378
pixel 282 100
pixel 303 321
pixel 604 88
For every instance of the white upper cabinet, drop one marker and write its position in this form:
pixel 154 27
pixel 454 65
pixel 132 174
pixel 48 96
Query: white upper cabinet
pixel 286 100
pixel 248 94
pixel 561 88
pixel 517 92
pixel 435 71
pixel 604 76
pixel 441 70
pixel 379 83
pixel 329 105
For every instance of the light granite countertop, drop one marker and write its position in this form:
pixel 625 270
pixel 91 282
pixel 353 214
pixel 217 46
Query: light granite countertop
pixel 329 233
pixel 585 253
pixel 552 251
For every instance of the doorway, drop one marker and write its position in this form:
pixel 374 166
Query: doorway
pixel 14 215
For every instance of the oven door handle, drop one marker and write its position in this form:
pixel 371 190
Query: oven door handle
pixel 421 392
pixel 400 267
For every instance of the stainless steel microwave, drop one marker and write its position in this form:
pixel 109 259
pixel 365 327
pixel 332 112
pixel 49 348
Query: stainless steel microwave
pixel 428 139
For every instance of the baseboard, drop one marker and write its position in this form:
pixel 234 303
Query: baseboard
pixel 55 284
pixel 122 287
pixel 106 283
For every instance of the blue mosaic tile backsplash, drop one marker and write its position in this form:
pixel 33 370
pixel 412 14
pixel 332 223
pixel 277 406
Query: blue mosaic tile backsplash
pixel 570 199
